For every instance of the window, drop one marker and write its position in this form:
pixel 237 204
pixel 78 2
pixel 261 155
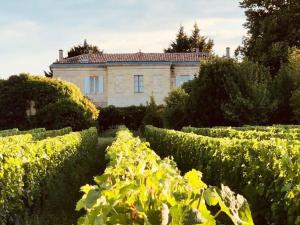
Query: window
pixel 93 85
pixel 180 79
pixel 138 83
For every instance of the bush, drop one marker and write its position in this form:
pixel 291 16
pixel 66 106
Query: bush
pixel 19 92
pixel 153 114
pixel 131 117
pixel 30 172
pixel 140 188
pixel 267 172
pixel 64 113
pixel 174 113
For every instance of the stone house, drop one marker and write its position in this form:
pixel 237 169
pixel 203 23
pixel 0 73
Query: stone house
pixel 128 79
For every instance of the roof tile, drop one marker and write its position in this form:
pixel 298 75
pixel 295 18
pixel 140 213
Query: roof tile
pixel 135 57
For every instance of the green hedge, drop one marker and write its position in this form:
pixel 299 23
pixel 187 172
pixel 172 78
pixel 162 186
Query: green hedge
pixel 16 131
pixel 131 116
pixel 266 172
pixel 140 188
pixel 29 170
pixel 8 131
pixel 51 133
pixel 243 134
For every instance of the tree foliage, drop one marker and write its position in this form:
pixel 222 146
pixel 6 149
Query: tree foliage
pixel 283 86
pixel 175 108
pixel 227 92
pixel 273 27
pixel 83 49
pixel 250 99
pixel 185 43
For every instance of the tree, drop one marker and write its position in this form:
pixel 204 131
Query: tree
pixel 83 49
pixel 250 100
pixel 208 93
pixel 185 43
pixel 227 92
pixel 284 85
pixel 175 108
pixel 181 44
pixel 200 42
pixel 273 27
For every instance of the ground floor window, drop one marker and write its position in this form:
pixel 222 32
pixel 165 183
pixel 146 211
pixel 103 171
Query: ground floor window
pixel 93 85
pixel 138 83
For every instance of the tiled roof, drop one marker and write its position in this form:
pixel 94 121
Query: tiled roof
pixel 134 57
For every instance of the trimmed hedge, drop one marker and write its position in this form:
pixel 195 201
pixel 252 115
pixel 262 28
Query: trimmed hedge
pixel 29 170
pixel 267 173
pixel 140 188
pixel 131 116
pixel 49 95
pixel 8 131
pixel 243 134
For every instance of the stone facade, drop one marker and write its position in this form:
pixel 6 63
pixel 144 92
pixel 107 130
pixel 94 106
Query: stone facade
pixel 118 82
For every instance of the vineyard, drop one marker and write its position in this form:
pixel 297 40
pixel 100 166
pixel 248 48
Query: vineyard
pixel 41 165
pixel 138 187
pixel 220 175
pixel 262 163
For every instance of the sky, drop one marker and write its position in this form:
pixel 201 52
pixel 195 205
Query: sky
pixel 32 31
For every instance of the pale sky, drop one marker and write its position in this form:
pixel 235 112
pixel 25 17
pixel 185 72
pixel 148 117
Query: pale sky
pixel 32 31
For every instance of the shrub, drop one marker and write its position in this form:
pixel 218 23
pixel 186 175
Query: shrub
pixel 64 113
pixel 265 171
pixel 138 187
pixel 19 92
pixel 131 117
pixel 153 114
pixel 174 113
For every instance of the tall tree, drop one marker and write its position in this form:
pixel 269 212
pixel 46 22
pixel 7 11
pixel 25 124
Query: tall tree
pixel 83 49
pixel 273 27
pixel 185 43
pixel 181 44
pixel 197 41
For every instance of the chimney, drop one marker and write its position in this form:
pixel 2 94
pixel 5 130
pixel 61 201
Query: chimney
pixel 227 52
pixel 60 55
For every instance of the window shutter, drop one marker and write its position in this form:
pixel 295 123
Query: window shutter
pixel 101 84
pixel 86 85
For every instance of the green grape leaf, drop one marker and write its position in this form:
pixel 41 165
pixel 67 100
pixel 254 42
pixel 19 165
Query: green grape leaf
pixel 211 196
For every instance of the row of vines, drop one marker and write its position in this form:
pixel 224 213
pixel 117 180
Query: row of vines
pixel 138 187
pixel 262 163
pixel 36 164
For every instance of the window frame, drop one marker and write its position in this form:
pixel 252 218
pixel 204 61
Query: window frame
pixel 138 82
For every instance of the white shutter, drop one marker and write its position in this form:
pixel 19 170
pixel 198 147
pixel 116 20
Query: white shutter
pixel 87 85
pixel 101 84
